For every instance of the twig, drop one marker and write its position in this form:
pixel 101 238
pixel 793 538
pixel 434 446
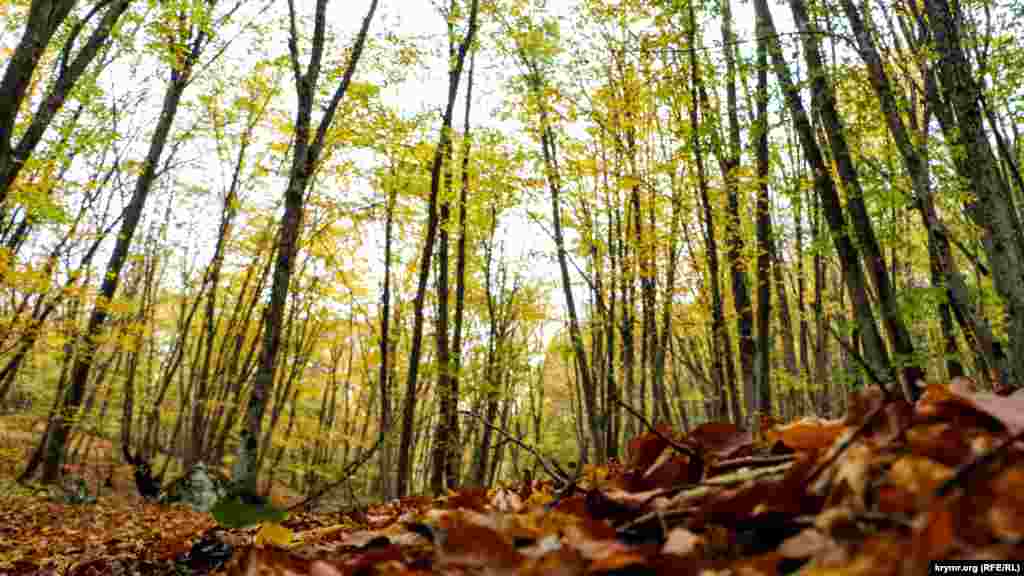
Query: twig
pixel 868 422
pixel 348 471
pixel 552 468
pixel 750 462
pixel 682 448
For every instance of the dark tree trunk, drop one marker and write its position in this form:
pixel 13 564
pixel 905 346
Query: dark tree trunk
pixel 455 458
pixel 305 154
pixel 383 373
pixel 549 152
pixel 729 163
pixel 440 153
pixel 79 378
pixel 721 353
pixel 666 311
pixel 849 257
pixel 765 245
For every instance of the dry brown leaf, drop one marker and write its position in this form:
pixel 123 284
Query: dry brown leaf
pixel 1006 515
pixel 919 476
pixel 807 543
pixel 808 434
pixel 682 542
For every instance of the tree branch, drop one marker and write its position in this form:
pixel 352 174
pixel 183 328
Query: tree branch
pixel 552 468
pixel 346 473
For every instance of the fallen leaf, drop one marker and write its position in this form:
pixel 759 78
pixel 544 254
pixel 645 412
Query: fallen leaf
pixel 273 534
pixel 682 542
pixel 808 434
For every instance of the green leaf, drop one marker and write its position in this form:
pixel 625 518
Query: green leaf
pixel 243 511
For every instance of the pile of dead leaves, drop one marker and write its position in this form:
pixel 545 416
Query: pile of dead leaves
pixel 884 491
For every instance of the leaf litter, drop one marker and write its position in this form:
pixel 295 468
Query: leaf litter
pixel 885 490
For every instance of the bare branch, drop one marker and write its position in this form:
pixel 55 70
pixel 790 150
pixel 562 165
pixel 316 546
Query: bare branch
pixel 552 468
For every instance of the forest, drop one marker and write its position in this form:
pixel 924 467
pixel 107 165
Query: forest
pixel 478 255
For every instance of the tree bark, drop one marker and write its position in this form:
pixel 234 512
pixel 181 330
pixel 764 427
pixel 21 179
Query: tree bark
pixel 383 374
pixel 824 101
pixel 721 354
pixel 455 459
pixel 305 155
pixel 730 162
pixel 765 245
pixel 408 412
pixel 849 257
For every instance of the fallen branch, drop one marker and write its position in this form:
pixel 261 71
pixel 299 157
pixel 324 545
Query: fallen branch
pixel 552 468
pixel 681 448
pixel 347 473
pixel 749 462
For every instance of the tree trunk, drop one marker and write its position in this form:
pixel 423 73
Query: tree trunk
pixel 554 180
pixel 765 245
pixel 730 162
pixel 666 311
pixel 75 390
pixel 455 459
pixel 849 257
pixel 721 354
pixel 304 160
pixel 445 401
pixel 445 141
pixel 383 373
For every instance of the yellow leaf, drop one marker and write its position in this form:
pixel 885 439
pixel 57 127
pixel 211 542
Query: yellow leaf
pixel 273 534
pixel 539 498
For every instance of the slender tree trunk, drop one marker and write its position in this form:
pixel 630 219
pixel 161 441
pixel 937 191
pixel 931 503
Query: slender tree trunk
pixel 730 162
pixel 408 412
pixel 666 311
pixel 849 257
pixel 133 215
pixel 383 373
pixel 612 409
pixel 445 401
pixel 628 354
pixel 721 354
pixel 554 180
pixel 305 154
pixel 765 245
pixel 455 459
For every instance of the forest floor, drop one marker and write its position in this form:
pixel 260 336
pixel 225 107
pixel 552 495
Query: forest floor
pixel 892 488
